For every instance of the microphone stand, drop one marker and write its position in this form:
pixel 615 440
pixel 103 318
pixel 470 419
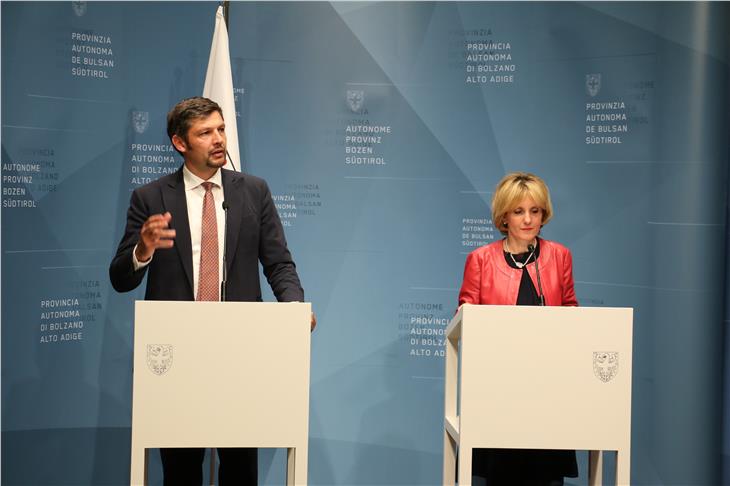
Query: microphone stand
pixel 225 272
pixel 537 271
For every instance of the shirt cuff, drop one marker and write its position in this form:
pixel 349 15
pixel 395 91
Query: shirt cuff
pixel 136 263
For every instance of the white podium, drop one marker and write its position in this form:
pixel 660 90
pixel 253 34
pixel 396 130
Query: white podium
pixel 524 377
pixel 221 374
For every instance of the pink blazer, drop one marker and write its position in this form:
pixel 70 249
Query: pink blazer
pixel 488 279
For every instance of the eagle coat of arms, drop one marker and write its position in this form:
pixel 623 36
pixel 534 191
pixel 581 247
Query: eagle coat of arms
pixel 593 84
pixel 355 99
pixel 605 365
pixel 140 120
pixel 159 358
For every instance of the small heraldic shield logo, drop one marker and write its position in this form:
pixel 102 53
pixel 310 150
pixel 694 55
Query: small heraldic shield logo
pixel 355 99
pixel 605 365
pixel 593 84
pixel 159 358
pixel 140 120
pixel 79 8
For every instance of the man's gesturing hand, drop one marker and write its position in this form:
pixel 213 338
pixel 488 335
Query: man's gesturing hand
pixel 155 233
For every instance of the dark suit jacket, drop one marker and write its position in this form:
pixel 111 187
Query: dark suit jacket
pixel 254 233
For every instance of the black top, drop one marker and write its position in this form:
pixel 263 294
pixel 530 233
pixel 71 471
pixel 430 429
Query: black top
pixel 527 294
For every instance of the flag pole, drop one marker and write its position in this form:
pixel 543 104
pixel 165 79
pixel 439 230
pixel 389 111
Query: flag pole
pixel 218 84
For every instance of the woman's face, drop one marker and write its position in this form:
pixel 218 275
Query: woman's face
pixel 524 221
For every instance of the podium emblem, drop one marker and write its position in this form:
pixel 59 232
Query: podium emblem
pixel 605 365
pixel 159 358
pixel 355 99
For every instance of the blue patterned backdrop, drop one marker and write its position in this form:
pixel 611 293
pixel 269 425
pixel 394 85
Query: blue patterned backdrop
pixel 381 129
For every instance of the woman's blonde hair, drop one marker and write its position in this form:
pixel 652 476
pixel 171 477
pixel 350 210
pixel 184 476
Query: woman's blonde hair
pixel 510 192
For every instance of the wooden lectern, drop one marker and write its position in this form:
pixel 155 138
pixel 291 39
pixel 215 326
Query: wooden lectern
pixel 523 377
pixel 221 374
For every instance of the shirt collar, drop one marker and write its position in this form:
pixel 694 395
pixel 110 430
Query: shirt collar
pixel 192 181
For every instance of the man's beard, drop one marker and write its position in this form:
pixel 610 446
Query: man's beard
pixel 210 162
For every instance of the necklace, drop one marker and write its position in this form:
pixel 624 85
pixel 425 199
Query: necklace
pixel 518 264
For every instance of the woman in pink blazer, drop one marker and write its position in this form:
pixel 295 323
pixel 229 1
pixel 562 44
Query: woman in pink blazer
pixel 505 273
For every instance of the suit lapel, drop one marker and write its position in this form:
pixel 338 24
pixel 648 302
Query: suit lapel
pixel 173 197
pixel 234 196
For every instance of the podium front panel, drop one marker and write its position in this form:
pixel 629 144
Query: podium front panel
pixel 221 374
pixel 546 377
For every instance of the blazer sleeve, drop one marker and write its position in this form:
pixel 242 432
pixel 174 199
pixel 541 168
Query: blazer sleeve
pixel 121 270
pixel 569 299
pixel 276 260
pixel 471 284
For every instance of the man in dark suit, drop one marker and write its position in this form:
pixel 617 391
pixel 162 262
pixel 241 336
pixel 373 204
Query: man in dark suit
pixel 174 234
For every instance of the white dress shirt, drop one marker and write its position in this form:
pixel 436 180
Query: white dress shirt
pixel 194 193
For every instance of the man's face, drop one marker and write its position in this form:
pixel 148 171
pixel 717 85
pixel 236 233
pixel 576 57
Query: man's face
pixel 204 149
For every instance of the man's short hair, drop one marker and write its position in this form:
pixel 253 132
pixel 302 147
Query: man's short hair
pixel 182 114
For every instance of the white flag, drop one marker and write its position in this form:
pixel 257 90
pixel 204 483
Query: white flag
pixel 219 85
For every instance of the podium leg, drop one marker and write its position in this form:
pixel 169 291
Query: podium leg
pixel 595 468
pixel 449 476
pixel 623 468
pixel 291 465
pixel 464 465
pixel 138 467
pixel 213 455
pixel 296 466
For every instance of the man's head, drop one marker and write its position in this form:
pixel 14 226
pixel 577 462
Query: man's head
pixel 197 131
pixel 182 114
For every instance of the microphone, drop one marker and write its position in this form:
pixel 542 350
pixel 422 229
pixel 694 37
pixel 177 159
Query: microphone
pixel 531 248
pixel 225 228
